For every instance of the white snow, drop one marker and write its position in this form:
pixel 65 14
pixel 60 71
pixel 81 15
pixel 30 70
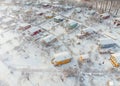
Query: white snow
pixel 24 61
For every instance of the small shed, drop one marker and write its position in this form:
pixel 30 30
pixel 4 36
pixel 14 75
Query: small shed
pixel 61 58
pixel 115 59
pixel 49 39
pixel 72 24
pixel 106 43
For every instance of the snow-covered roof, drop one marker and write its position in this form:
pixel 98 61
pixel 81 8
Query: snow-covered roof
pixel 28 10
pixel 88 30
pixel 117 56
pixel 6 20
pixel 78 9
pixel 72 22
pixel 86 56
pixel 33 29
pixel 62 56
pixel 48 38
pixel 58 17
pixel 105 41
pixel 4 26
pixel 41 10
pixel 67 7
pixel 24 24
pixel 60 6
pixel 4 71
pixel 49 14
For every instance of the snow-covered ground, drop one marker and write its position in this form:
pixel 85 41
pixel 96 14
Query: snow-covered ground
pixel 26 61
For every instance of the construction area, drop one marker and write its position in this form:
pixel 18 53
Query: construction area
pixel 60 43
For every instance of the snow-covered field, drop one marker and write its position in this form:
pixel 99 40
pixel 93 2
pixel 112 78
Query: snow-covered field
pixel 26 61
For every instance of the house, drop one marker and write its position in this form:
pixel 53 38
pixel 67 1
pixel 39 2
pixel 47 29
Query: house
pixel 34 31
pixel 107 45
pixel 88 31
pixel 58 19
pixel 72 24
pixel 24 26
pixel 115 59
pixel 117 21
pixel 105 15
pixel 49 39
pixel 61 58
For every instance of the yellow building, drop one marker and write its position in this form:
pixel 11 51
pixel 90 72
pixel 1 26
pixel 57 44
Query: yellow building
pixel 61 58
pixel 115 59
